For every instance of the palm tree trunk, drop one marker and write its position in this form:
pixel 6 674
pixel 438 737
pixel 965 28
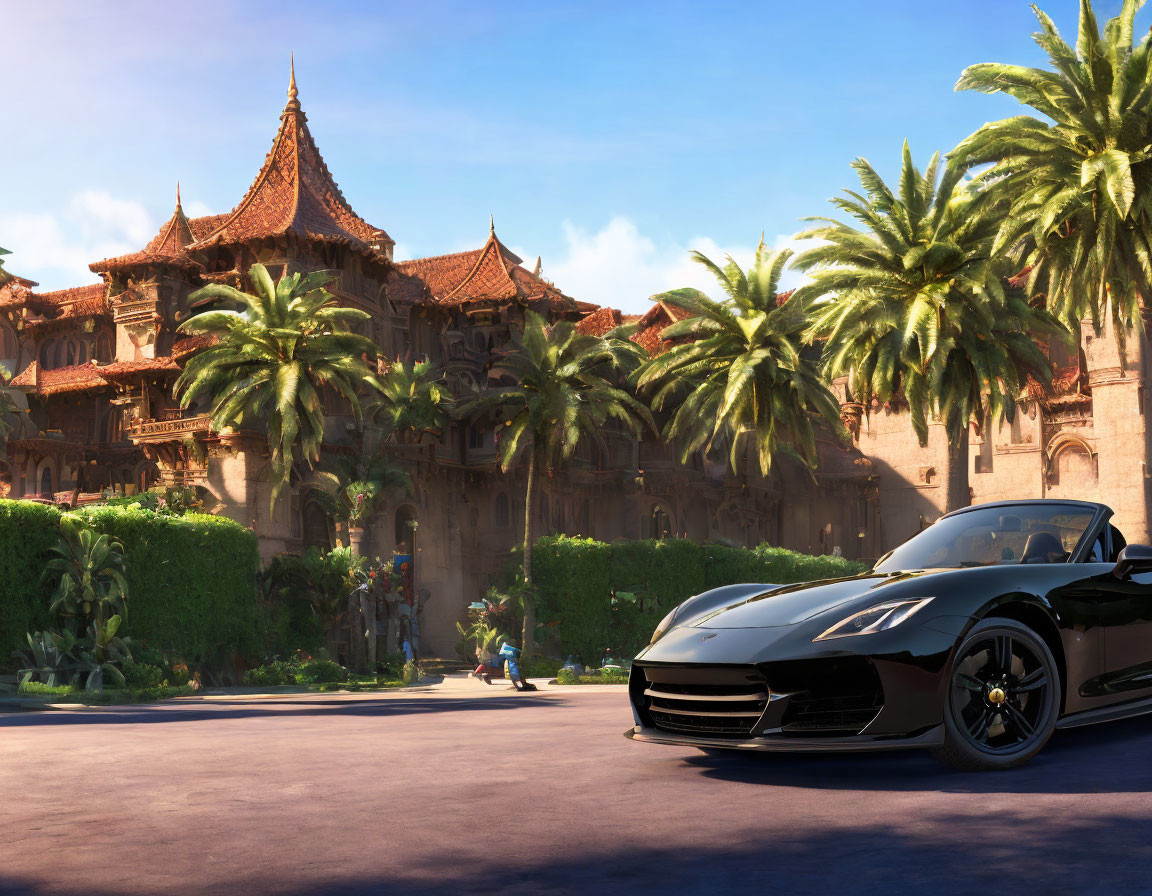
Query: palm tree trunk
pixel 958 494
pixel 529 629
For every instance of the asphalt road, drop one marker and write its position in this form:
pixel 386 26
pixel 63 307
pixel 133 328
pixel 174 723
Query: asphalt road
pixel 539 793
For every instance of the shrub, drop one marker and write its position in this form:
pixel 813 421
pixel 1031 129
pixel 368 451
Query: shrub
pixel 273 674
pixel 594 597
pixel 39 689
pixel 322 672
pixel 141 676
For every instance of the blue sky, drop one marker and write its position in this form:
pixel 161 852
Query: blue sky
pixel 609 138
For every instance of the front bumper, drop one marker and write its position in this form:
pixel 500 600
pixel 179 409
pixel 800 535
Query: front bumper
pixel 778 744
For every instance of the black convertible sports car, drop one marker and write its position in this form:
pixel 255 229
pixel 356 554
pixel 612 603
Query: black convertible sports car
pixel 976 638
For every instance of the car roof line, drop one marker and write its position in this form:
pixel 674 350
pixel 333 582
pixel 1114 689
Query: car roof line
pixel 1024 502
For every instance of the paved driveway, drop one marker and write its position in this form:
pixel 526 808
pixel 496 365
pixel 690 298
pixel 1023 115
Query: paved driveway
pixel 471 792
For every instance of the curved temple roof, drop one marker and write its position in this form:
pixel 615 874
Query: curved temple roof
pixel 295 193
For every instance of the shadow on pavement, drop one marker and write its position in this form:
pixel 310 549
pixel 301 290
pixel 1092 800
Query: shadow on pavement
pixel 1108 758
pixel 981 851
pixel 274 709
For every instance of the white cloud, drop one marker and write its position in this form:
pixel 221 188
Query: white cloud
pixel 620 266
pixel 197 209
pixel 56 248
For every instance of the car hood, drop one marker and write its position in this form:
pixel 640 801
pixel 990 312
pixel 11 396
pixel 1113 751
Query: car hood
pixel 795 603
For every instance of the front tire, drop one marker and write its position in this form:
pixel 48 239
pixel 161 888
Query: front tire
pixel 1003 698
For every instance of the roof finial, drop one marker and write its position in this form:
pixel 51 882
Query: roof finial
pixel 536 270
pixel 177 194
pixel 492 225
pixel 293 94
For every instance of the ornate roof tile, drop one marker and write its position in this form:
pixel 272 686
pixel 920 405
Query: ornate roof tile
pixel 78 378
pixel 294 193
pixel 492 273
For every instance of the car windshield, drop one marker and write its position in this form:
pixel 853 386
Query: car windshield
pixel 1024 533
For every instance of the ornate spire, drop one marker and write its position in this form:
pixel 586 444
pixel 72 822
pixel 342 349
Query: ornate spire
pixel 293 94
pixel 177 194
pixel 491 225
pixel 536 270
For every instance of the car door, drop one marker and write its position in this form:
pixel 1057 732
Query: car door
pixel 1124 613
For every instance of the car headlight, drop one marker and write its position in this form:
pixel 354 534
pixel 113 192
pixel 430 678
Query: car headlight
pixel 663 626
pixel 879 618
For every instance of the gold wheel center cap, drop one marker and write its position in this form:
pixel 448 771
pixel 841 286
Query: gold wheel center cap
pixel 997 695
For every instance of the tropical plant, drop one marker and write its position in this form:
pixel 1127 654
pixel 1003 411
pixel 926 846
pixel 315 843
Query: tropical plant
pixel 914 308
pixel 88 572
pixel 50 658
pixel 482 635
pixel 102 652
pixel 411 401
pixel 9 411
pixel 744 373
pixel 4 275
pixel 1073 188
pixel 564 390
pixel 275 354
pixel 352 487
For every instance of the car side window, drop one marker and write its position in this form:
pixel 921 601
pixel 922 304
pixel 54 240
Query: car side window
pixel 1118 544
pixel 1096 552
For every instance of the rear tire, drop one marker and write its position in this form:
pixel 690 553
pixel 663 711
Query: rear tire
pixel 1003 698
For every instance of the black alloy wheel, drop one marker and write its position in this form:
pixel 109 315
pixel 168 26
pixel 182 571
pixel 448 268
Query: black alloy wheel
pixel 1003 698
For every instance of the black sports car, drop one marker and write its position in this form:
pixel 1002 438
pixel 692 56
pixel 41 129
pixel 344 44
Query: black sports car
pixel 976 638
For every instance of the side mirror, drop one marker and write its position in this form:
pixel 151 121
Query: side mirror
pixel 1133 558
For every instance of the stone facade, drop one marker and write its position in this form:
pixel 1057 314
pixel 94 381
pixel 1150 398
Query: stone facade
pixel 1086 438
pixel 97 365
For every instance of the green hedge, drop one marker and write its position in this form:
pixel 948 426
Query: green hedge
pixel 27 531
pixel 575 579
pixel 191 579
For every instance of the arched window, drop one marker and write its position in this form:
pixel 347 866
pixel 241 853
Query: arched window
pixel 46 490
pixel 82 352
pixel 500 512
pixel 104 348
pixel 659 523
pixel 9 347
pixel 46 349
pixel 70 353
pixel 59 353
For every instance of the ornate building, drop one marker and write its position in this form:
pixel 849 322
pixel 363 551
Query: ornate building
pixel 97 365
pixel 1086 438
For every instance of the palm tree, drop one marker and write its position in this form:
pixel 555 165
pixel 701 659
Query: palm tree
pixel 275 354
pixel 565 389
pixel 1076 184
pixel 913 307
pixel 412 400
pixel 744 372
pixel 353 487
pixel 4 275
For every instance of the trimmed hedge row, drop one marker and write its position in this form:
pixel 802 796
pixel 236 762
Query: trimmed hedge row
pixel 575 579
pixel 191 579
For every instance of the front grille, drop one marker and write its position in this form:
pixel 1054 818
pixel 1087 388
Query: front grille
pixel 831 715
pixel 830 697
pixel 704 701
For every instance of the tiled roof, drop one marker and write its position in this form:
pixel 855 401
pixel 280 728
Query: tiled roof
pixel 167 247
pixel 61 297
pixel 181 348
pixel 294 193
pixel 77 378
pixel 118 369
pixel 653 322
pixel 600 321
pixel 492 273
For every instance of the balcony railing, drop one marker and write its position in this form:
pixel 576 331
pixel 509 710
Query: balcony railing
pixel 170 427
